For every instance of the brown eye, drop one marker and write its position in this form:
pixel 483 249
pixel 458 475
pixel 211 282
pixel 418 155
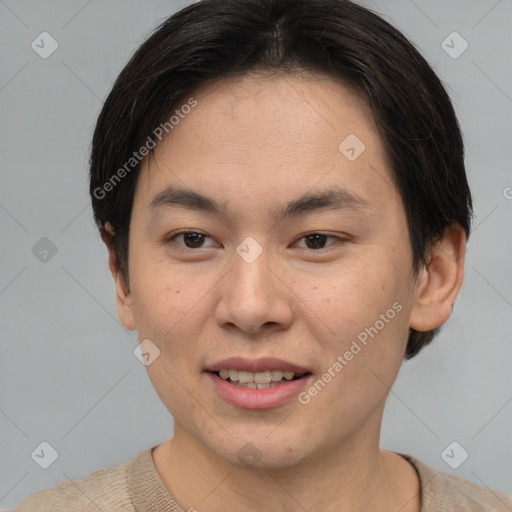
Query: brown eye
pixel 316 241
pixel 191 240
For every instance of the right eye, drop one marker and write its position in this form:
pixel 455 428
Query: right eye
pixel 191 239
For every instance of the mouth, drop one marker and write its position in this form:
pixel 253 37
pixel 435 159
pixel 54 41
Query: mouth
pixel 264 383
pixel 258 380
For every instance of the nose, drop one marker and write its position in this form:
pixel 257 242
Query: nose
pixel 255 297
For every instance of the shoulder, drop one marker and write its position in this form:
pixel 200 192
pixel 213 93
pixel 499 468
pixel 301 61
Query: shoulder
pixel 103 489
pixel 447 492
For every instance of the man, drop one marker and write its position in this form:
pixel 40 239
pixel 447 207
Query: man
pixel 281 188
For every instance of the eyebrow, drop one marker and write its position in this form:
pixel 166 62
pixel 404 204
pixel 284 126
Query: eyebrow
pixel 334 198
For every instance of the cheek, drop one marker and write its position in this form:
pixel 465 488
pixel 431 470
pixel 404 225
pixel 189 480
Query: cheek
pixel 159 298
pixel 171 305
pixel 350 295
pixel 366 313
pixel 359 312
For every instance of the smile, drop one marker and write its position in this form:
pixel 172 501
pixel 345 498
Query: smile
pixel 257 380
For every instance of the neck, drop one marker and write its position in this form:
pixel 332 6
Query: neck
pixel 352 477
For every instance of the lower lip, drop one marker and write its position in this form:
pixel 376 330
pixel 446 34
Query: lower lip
pixel 247 398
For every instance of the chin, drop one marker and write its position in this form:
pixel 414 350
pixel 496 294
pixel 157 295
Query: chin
pixel 261 452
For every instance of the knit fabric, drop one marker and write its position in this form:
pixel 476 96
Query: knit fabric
pixel 136 486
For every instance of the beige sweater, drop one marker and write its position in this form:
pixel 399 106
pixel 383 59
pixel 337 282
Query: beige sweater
pixel 135 486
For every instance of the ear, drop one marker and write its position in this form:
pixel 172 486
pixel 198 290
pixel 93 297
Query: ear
pixel 439 281
pixel 123 296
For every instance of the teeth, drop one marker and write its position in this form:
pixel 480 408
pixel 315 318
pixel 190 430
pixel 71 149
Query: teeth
pixel 256 380
pixel 263 377
pixel 277 375
pixel 245 377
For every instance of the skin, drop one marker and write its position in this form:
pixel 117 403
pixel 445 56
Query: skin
pixel 258 142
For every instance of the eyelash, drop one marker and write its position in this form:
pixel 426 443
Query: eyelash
pixel 171 240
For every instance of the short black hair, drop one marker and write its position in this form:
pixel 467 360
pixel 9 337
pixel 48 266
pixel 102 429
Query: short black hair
pixel 216 39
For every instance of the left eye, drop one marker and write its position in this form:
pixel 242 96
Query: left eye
pixel 317 239
pixel 195 240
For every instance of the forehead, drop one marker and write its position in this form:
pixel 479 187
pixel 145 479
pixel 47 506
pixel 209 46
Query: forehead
pixel 280 114
pixel 260 135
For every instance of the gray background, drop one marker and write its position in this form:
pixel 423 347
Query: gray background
pixel 68 375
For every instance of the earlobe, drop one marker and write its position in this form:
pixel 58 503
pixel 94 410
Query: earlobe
pixel 124 303
pixel 440 280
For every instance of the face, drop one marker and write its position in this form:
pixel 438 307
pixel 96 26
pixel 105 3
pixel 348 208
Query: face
pixel 305 266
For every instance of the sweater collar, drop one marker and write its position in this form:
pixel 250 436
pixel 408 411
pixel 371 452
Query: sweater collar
pixel 147 490
pixel 149 494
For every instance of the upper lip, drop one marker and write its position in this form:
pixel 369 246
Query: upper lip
pixel 256 365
